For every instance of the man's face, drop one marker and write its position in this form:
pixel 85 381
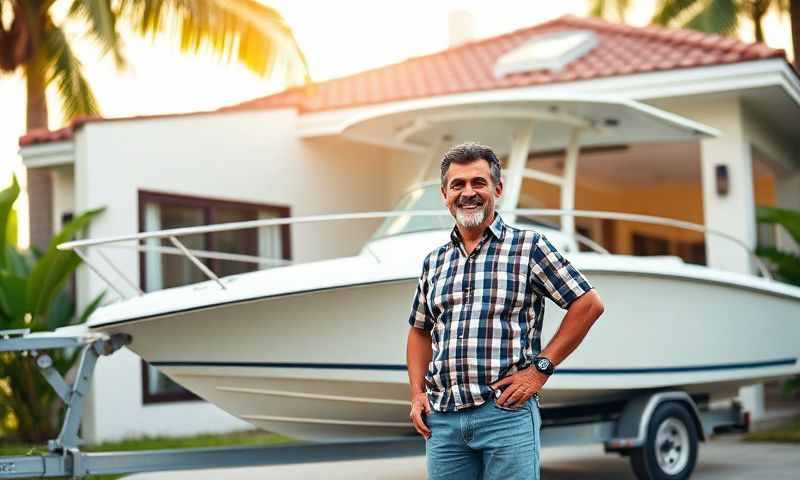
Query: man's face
pixel 470 193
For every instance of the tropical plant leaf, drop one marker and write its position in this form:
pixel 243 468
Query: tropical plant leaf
pixel 12 300
pixel 718 16
pixel 669 10
pixel 247 31
pixel 66 71
pixel 787 265
pixel 788 219
pixel 51 272
pixel 12 227
pixel 17 262
pixel 102 21
pixel 7 198
pixel 60 314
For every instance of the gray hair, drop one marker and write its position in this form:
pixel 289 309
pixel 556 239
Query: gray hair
pixel 470 152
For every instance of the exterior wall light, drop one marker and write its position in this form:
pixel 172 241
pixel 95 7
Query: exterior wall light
pixel 721 173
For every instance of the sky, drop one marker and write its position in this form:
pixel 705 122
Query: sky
pixel 337 38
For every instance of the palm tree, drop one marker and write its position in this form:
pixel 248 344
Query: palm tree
pixel 31 42
pixel 713 16
pixel 241 30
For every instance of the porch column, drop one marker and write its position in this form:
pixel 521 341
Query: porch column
pixel 733 212
pixel 517 158
pixel 568 187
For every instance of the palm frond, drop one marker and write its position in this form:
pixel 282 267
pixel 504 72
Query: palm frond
pixel 597 8
pixel 242 30
pixel 788 219
pixel 67 72
pixel 102 21
pixel 782 6
pixel 600 8
pixel 718 16
pixel 622 8
pixel 668 10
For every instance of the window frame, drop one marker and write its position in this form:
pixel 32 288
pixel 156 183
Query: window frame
pixel 208 204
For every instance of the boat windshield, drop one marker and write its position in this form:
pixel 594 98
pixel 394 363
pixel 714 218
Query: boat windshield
pixel 424 197
pixel 428 197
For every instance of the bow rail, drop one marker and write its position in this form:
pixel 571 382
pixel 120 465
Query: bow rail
pixel 80 246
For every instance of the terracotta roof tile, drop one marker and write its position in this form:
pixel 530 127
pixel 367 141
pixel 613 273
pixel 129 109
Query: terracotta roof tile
pixel 621 50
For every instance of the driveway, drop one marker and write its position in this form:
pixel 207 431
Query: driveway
pixel 723 458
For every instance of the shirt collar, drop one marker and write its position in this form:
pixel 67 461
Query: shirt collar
pixel 496 228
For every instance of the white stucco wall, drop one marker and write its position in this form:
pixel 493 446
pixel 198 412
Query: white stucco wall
pixel 248 156
pixel 63 194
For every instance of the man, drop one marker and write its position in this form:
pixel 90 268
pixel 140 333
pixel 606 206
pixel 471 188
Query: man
pixel 474 354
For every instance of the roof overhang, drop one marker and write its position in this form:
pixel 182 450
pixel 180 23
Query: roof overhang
pixel 48 155
pixel 417 126
pixel 772 77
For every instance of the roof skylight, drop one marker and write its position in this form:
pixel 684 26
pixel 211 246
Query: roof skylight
pixel 548 51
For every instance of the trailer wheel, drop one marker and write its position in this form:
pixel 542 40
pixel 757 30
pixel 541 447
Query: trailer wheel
pixel 670 449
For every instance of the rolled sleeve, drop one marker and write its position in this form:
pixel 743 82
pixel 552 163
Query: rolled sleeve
pixel 554 276
pixel 420 313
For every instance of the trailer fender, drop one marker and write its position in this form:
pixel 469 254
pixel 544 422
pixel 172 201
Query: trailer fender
pixel 631 429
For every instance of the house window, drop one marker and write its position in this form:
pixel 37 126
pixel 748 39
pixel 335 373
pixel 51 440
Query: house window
pixel 692 252
pixel 649 245
pixel 159 211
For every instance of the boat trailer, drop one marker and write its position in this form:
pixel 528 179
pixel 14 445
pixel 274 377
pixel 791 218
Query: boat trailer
pixel 659 430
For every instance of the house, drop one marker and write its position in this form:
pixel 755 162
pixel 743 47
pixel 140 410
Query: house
pixel 319 149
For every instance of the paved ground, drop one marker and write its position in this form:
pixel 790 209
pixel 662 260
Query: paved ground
pixel 724 458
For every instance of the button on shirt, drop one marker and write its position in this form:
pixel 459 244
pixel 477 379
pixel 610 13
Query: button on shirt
pixel 484 310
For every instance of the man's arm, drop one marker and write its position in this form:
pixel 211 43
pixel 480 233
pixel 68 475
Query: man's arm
pixel 580 317
pixel 418 356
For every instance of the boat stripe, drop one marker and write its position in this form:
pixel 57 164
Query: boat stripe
pixel 328 421
pixel 560 371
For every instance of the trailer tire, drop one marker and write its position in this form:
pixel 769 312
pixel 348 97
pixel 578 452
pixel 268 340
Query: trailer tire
pixel 670 448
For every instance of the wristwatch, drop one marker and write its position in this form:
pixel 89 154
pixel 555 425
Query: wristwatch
pixel 544 365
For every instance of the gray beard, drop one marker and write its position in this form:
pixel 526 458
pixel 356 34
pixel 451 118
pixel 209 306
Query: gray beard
pixel 470 220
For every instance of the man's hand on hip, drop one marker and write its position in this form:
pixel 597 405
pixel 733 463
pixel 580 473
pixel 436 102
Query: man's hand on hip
pixel 420 406
pixel 519 387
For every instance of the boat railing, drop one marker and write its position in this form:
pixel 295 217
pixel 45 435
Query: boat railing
pixel 80 247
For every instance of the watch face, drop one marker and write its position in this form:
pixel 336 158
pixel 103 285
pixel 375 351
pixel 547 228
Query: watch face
pixel 543 364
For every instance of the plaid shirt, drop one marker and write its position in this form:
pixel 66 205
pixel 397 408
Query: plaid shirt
pixel 484 310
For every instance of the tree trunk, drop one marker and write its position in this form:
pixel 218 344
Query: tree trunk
pixel 40 183
pixel 794 14
pixel 759 29
pixel 757 11
pixel 37 101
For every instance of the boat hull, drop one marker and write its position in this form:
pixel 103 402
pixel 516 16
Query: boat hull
pixel 329 364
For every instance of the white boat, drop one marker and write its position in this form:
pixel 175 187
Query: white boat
pixel 317 351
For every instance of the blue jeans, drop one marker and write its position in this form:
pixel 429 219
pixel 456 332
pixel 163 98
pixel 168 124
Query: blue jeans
pixel 485 442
